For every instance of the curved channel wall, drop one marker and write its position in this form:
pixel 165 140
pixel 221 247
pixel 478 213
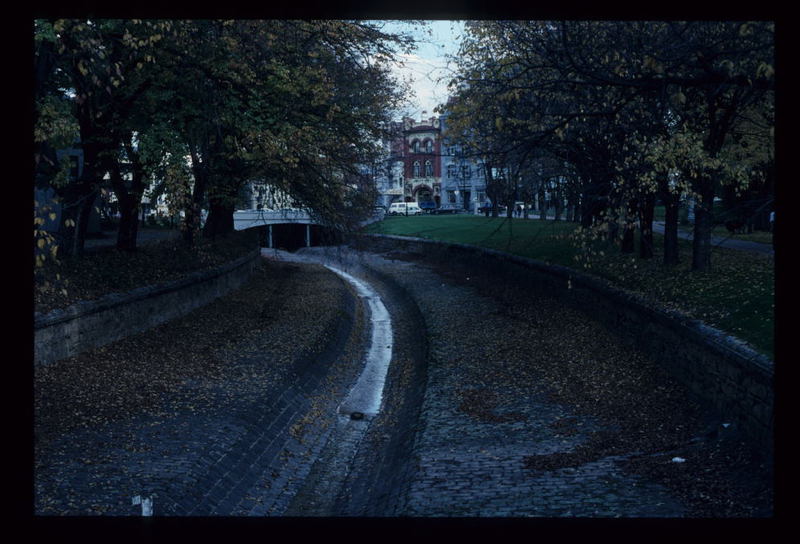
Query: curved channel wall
pixel 719 369
pixel 67 332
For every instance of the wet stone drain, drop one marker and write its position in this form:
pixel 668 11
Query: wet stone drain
pixel 483 400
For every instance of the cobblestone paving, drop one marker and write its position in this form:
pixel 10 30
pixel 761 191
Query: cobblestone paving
pixel 473 464
pixel 465 414
pixel 239 444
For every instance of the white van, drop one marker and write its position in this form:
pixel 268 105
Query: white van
pixel 404 208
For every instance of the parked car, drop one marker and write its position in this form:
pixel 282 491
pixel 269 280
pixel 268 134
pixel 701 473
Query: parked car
pixel 428 206
pixel 487 209
pixel 446 208
pixel 404 208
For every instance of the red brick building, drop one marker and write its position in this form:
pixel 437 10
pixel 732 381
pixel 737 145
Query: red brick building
pixel 421 157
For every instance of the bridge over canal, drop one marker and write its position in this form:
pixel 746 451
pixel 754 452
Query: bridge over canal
pixel 290 228
pixel 286 228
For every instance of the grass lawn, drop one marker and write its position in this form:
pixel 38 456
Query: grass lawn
pixel 543 240
pixel 737 295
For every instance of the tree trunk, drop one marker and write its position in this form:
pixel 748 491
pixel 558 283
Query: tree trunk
pixel 586 213
pixel 220 220
pixel 671 218
pixel 558 206
pixel 130 200
pixel 77 203
pixel 194 198
pixel 128 230
pixel 542 205
pixel 82 223
pixel 646 213
pixel 703 225
pixel 671 200
pixel 627 245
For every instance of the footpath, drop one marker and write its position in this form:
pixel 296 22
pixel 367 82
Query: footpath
pixel 726 242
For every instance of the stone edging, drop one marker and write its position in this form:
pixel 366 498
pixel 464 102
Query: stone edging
pixel 720 369
pixel 66 332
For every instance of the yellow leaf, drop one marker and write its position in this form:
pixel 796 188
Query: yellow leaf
pixel 40 243
pixel 52 216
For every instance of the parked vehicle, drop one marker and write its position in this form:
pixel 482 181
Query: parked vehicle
pixel 487 209
pixel 446 208
pixel 404 208
pixel 428 206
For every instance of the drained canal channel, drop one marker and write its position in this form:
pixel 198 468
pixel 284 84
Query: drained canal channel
pixel 352 383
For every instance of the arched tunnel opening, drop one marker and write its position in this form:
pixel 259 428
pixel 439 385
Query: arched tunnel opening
pixel 293 236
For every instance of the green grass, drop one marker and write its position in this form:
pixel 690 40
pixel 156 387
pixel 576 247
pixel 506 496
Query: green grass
pixel 543 240
pixel 737 295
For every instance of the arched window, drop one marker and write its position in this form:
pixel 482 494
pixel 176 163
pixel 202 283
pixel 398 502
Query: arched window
pixel 428 169
pixel 415 146
pixel 428 146
pixel 416 169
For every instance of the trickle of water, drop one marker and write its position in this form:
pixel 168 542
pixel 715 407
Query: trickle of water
pixel 366 395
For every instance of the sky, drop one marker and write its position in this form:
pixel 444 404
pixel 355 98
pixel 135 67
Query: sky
pixel 427 66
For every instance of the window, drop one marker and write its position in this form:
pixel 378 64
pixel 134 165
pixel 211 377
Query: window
pixel 466 172
pixel 416 169
pixel 451 197
pixel 428 169
pixel 452 170
pixel 481 196
pixel 415 146
pixel 428 146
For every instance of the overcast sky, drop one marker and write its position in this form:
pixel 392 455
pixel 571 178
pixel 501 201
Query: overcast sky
pixel 427 66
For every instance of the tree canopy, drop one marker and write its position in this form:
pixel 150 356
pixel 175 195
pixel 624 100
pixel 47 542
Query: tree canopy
pixel 639 109
pixel 207 106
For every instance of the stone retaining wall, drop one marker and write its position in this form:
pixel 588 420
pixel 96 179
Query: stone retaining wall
pixel 66 332
pixel 721 370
